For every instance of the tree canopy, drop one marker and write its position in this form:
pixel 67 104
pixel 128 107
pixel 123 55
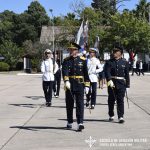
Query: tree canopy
pixel 20 33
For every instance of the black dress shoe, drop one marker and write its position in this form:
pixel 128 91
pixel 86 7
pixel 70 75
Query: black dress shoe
pixel 48 104
pixel 69 126
pixel 111 118
pixel 55 94
pixel 80 127
pixel 93 106
pixel 87 104
pixel 121 120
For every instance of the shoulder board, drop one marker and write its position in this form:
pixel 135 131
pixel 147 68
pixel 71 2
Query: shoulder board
pixel 83 58
pixel 67 58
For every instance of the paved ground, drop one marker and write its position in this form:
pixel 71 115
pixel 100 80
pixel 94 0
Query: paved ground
pixel 26 124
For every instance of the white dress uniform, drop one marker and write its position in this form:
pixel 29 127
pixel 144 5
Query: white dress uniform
pixel 48 78
pixel 48 70
pixel 94 67
pixel 141 65
pixel 134 64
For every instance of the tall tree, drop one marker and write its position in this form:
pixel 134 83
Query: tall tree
pixel 6 25
pixel 37 16
pixel 130 32
pixel 103 5
pixel 142 10
pixel 107 6
pixel 23 30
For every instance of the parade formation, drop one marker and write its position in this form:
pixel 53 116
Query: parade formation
pixel 80 73
pixel 66 73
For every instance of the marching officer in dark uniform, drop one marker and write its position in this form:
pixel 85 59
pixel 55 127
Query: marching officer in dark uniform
pixel 75 75
pixel 117 76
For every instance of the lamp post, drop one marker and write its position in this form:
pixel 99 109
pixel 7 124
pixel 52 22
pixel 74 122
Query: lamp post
pixel 51 11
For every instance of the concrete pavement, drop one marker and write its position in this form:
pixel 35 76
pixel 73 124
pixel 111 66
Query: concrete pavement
pixel 26 124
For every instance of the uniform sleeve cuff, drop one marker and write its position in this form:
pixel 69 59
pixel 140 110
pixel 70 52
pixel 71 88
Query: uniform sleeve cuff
pixel 87 84
pixel 66 78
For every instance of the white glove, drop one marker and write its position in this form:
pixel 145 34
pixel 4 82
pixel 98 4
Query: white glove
pixel 111 84
pixel 87 90
pixel 94 72
pixel 127 89
pixel 97 71
pixel 67 85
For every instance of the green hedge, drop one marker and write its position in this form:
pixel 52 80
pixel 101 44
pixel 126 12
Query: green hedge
pixel 4 66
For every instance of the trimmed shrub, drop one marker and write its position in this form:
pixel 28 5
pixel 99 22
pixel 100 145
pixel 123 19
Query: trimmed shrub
pixel 4 66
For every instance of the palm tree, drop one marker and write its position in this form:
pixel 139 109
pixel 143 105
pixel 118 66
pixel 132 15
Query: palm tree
pixel 142 10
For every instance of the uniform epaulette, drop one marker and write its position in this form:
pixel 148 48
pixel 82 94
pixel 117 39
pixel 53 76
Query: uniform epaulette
pixel 83 58
pixel 66 58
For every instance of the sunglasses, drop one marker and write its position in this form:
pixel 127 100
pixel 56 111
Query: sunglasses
pixel 48 53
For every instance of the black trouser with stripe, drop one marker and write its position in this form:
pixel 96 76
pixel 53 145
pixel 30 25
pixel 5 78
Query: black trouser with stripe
pixel 118 96
pixel 79 98
pixel 134 70
pixel 91 96
pixel 141 71
pixel 56 85
pixel 47 88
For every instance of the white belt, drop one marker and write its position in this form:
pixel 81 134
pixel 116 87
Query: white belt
pixel 119 78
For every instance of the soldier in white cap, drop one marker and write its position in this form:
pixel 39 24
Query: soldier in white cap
pixel 94 67
pixel 48 68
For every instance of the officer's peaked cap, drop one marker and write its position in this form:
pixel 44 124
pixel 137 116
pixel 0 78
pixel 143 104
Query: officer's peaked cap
pixel 74 46
pixel 117 48
pixel 47 51
pixel 92 50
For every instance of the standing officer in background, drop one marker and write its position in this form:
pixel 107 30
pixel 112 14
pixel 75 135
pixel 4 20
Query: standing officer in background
pixel 141 68
pixel 75 75
pixel 48 68
pixel 101 77
pixel 94 67
pixel 134 67
pixel 57 75
pixel 117 76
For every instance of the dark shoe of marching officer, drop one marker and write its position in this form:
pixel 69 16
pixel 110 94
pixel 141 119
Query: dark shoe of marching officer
pixel 56 96
pixel 54 93
pixel 87 104
pixel 48 104
pixel 69 125
pixel 92 106
pixel 80 127
pixel 111 118
pixel 121 120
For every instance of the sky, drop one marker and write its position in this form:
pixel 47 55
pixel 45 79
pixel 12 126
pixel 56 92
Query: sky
pixel 60 7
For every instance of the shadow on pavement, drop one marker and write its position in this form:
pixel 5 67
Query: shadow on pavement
pixel 74 120
pixel 34 97
pixel 92 120
pixel 26 105
pixel 37 128
pixel 58 106
pixel 99 120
